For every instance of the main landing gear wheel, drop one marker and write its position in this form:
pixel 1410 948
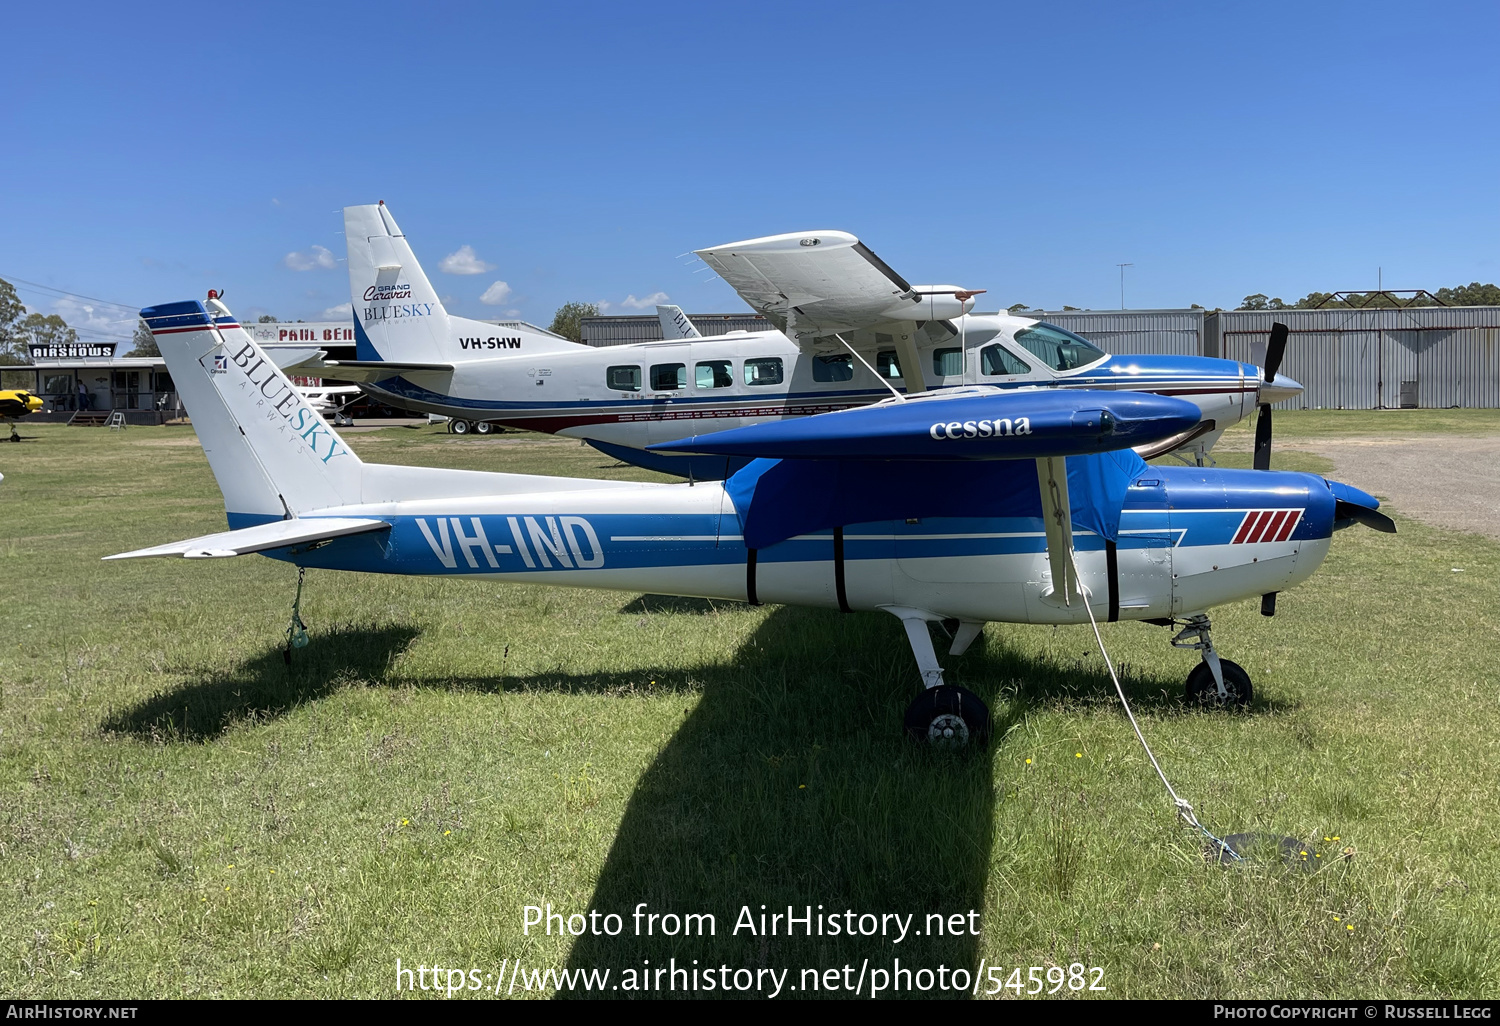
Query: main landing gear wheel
pixel 458 427
pixel 483 427
pixel 948 716
pixel 1201 689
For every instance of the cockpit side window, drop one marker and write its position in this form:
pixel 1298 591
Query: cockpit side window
pixel 996 360
pixel 1059 348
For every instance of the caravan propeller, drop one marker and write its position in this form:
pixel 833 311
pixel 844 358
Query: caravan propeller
pixel 1274 352
pixel 1270 391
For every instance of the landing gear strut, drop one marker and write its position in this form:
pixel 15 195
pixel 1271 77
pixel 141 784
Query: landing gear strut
pixel 943 715
pixel 1214 681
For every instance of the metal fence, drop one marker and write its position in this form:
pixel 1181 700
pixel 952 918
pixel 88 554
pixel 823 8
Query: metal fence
pixel 1431 356
pixel 623 330
pixel 1132 332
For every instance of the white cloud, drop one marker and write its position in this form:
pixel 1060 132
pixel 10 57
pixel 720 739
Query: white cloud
pixel 342 312
pixel 317 257
pixel 641 304
pixel 512 313
pixel 102 322
pixel 603 305
pixel 495 294
pixel 464 261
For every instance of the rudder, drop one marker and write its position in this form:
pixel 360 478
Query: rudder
pixel 271 453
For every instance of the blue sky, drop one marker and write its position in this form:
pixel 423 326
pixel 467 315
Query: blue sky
pixel 155 151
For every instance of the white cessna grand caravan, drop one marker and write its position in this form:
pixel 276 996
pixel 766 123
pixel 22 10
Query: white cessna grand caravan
pixel 851 331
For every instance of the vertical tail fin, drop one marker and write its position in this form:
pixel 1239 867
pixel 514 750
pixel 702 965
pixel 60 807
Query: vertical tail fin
pixel 675 323
pixel 397 314
pixel 271 453
pixel 398 317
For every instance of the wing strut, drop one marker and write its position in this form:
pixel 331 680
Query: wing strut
pixel 1052 477
pixel 862 360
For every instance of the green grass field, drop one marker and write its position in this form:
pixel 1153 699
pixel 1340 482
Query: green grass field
pixel 184 815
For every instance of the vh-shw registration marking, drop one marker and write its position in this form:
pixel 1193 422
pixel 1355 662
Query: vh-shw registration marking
pixel 546 543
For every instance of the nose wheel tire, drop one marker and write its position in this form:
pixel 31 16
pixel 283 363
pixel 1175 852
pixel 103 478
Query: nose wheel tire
pixel 1201 689
pixel 948 716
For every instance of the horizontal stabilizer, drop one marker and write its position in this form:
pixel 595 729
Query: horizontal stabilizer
pixel 978 424
pixel 289 358
pixel 278 534
pixel 380 370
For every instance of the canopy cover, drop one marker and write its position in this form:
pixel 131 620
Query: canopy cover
pixel 780 499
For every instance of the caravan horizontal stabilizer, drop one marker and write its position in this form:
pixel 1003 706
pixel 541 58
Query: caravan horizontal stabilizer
pixel 989 424
pixel 278 534
pixel 379 370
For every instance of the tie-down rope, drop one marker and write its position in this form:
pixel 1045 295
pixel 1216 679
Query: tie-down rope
pixel 1184 807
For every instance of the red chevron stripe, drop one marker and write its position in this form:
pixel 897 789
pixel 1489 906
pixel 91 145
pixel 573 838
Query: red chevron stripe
pixel 1260 527
pixel 1239 536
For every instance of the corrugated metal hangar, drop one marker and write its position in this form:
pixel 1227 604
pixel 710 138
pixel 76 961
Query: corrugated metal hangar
pixel 1348 359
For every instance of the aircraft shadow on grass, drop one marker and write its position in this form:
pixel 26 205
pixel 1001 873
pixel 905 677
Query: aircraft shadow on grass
pixel 266 687
pixel 788 784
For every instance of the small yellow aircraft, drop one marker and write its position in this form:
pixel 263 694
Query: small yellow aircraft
pixel 16 403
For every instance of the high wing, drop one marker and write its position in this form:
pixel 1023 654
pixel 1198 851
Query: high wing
pixel 819 283
pixel 944 453
pixel 278 534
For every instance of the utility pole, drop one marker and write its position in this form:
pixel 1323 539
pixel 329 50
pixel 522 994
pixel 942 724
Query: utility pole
pixel 1122 283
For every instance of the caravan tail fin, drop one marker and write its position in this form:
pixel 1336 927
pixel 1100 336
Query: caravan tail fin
pixel 398 318
pixel 273 456
pixel 397 313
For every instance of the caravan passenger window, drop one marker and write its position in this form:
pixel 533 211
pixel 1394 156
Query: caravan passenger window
pixel 624 379
pixel 886 364
pixel 714 374
pixel 839 367
pixel 765 371
pixel 948 363
pixel 668 376
pixel 996 360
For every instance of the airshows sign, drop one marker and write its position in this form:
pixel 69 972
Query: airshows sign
pixel 72 351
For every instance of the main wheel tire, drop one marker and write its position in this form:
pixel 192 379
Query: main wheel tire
pixel 948 716
pixel 459 427
pixel 1201 689
pixel 483 427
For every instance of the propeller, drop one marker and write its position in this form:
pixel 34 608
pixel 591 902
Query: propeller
pixel 1275 350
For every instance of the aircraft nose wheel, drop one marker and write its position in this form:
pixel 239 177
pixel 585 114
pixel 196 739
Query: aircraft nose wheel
pixel 1201 689
pixel 948 716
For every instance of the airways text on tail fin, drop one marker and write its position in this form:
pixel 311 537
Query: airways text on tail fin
pixel 270 451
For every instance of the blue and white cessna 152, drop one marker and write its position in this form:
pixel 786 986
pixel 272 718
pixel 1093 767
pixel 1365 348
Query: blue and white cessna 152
pixel 853 332
pixel 969 505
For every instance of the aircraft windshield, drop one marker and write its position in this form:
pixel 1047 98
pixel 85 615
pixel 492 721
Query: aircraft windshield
pixel 1057 348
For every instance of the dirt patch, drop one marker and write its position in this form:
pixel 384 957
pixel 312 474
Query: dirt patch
pixel 1444 480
